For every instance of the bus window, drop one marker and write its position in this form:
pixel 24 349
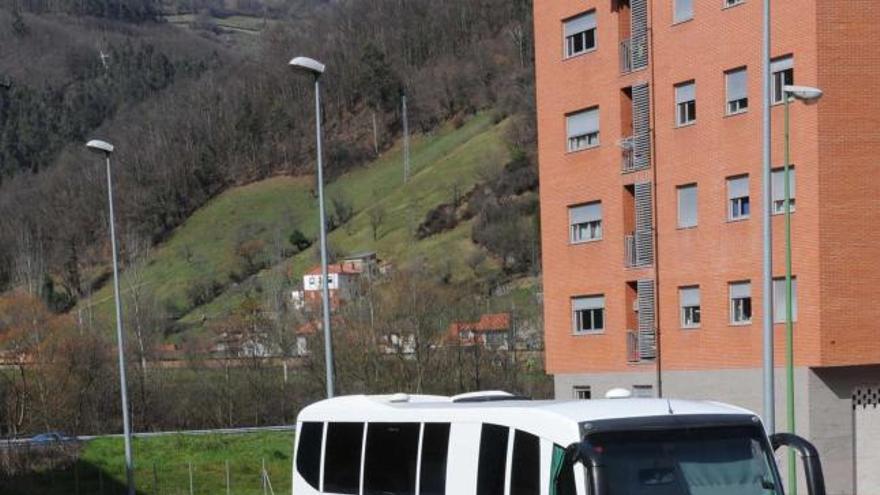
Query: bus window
pixel 526 477
pixel 390 459
pixel 493 460
pixel 308 453
pixel 561 480
pixel 342 459
pixel 435 448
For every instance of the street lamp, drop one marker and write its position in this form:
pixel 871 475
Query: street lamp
pixel 106 149
pixel 316 69
pixel 807 95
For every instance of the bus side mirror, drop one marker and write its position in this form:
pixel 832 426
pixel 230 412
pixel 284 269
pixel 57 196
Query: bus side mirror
pixel 583 452
pixel 809 456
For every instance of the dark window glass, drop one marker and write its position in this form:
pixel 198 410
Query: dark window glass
pixel 390 460
pixel 435 449
pixel 308 453
pixel 493 460
pixel 565 480
pixel 526 477
pixel 342 459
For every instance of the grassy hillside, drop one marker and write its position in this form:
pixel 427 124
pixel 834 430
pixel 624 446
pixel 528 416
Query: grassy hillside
pixel 203 250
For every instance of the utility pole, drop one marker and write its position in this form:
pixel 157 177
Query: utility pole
pixel 767 279
pixel 405 143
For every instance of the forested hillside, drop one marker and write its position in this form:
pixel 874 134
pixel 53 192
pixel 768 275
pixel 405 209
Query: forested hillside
pixel 214 188
pixel 191 116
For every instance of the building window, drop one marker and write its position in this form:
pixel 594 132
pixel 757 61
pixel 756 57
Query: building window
pixel 687 206
pixel 684 10
pixel 689 299
pixel 580 34
pixel 731 3
pixel 685 103
pixel 737 91
pixel 777 186
pixel 643 391
pixel 738 198
pixel 585 222
pixel 779 306
pixel 782 74
pixel 588 314
pixel 582 392
pixel 583 129
pixel 740 302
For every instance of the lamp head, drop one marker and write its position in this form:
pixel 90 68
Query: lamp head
pixel 307 65
pixel 98 146
pixel 803 93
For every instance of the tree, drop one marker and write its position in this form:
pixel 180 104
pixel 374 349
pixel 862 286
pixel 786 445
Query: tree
pixel 377 218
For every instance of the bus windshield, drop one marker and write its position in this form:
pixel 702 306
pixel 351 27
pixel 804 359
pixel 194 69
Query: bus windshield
pixel 732 460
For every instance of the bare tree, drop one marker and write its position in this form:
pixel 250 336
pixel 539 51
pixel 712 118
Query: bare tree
pixel 377 218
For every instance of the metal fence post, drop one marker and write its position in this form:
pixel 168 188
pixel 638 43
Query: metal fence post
pixel 190 478
pixel 155 480
pixel 227 477
pixel 263 477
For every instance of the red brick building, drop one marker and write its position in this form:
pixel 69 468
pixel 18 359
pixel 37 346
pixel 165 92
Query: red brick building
pixel 650 134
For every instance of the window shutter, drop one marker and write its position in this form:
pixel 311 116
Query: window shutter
pixel 589 302
pixel 737 187
pixel 740 290
pixel 687 206
pixel 639 27
pixel 647 331
pixel 644 224
pixel 690 296
pixel 580 24
pixel 582 123
pixel 778 184
pixel 685 92
pixel 737 85
pixel 782 64
pixel 641 116
pixel 585 213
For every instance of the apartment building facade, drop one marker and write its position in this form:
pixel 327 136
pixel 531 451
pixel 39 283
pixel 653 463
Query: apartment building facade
pixel 650 152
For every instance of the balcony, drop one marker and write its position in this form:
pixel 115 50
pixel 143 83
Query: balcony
pixel 633 53
pixel 632 346
pixel 634 155
pixel 637 249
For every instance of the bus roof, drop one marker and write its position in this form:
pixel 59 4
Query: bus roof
pixel 554 419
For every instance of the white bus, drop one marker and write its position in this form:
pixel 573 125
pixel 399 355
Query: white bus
pixel 493 443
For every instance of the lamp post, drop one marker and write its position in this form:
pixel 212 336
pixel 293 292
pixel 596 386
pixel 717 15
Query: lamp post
pixel 316 69
pixel 807 95
pixel 106 149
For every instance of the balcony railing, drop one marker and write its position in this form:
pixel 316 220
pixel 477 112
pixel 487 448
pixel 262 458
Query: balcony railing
pixel 626 154
pixel 633 53
pixel 632 346
pixel 626 56
pixel 635 254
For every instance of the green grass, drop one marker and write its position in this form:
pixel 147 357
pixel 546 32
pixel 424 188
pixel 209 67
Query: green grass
pixel 162 465
pixel 167 459
pixel 203 249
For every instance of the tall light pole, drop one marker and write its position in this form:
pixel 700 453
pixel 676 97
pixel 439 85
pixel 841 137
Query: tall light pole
pixel 807 95
pixel 316 69
pixel 767 292
pixel 106 149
